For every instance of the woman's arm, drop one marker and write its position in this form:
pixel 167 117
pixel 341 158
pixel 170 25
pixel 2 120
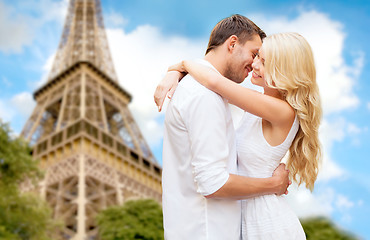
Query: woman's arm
pixel 269 108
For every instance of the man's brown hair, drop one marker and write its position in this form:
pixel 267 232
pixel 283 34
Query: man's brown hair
pixel 237 25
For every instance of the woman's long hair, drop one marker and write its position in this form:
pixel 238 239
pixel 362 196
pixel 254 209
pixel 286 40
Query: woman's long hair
pixel 290 68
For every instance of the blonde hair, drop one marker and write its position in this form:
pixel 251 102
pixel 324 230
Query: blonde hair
pixel 290 68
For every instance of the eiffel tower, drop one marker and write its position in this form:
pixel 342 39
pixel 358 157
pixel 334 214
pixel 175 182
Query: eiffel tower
pixel 83 133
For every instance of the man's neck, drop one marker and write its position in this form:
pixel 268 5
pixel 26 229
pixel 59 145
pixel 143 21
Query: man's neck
pixel 217 61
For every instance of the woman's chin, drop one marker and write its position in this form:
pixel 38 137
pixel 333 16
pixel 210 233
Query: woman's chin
pixel 256 82
pixel 253 81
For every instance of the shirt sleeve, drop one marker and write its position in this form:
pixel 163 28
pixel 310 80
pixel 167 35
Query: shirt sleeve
pixel 205 118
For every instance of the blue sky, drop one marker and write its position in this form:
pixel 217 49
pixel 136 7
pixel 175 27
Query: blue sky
pixel 147 36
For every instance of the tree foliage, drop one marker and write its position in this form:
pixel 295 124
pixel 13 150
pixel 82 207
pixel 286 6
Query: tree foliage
pixel 321 228
pixel 139 219
pixel 16 162
pixel 22 215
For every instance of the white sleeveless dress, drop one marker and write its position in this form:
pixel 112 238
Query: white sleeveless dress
pixel 266 217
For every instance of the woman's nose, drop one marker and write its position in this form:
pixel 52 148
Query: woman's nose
pixel 254 64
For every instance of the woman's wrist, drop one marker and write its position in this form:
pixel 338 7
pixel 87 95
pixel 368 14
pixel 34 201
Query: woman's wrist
pixel 178 67
pixel 176 74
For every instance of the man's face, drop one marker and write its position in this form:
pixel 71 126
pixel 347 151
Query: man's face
pixel 240 62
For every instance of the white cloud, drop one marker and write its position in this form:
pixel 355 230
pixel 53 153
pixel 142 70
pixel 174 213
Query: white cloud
pixel 331 131
pixel 53 10
pixel 329 169
pixel 305 204
pixel 22 21
pixel 16 109
pixel 342 202
pixel 43 11
pixel 14 30
pixel 353 129
pixel 6 112
pixel 6 82
pixel 368 105
pixel 324 203
pixel 46 68
pixel 141 59
pixel 344 206
pixel 114 19
pixel 23 103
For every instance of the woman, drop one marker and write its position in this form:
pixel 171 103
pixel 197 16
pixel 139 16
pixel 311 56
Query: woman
pixel 285 117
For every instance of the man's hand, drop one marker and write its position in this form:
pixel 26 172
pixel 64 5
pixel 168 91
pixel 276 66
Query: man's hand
pixel 166 87
pixel 281 175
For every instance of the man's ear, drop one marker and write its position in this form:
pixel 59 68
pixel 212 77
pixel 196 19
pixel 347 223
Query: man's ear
pixel 231 42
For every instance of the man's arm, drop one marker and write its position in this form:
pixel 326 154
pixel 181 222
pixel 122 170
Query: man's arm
pixel 240 187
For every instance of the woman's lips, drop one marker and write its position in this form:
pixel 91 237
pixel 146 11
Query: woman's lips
pixel 255 75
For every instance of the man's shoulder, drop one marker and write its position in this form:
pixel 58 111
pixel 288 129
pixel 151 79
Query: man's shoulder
pixel 193 89
pixel 191 96
pixel 189 84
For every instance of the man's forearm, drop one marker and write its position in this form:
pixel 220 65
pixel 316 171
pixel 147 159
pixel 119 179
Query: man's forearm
pixel 240 187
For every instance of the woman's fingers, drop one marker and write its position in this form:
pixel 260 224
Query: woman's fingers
pixel 166 87
pixel 171 92
pixel 159 96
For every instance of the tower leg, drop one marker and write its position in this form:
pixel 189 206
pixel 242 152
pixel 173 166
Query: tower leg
pixel 81 200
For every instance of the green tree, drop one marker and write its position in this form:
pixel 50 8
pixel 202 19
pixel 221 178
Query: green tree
pixel 139 219
pixel 22 215
pixel 321 228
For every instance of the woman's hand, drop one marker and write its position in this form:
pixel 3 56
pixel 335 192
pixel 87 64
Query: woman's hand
pixel 166 87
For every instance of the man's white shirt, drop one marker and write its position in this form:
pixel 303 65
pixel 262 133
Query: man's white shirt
pixel 199 152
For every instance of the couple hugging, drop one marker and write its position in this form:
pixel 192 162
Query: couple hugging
pixel 224 184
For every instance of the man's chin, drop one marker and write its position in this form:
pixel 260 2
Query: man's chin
pixel 238 81
pixel 235 78
pixel 241 79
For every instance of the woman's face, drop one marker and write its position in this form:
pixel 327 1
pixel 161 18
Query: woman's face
pixel 258 74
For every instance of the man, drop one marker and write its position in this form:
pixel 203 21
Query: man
pixel 200 185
